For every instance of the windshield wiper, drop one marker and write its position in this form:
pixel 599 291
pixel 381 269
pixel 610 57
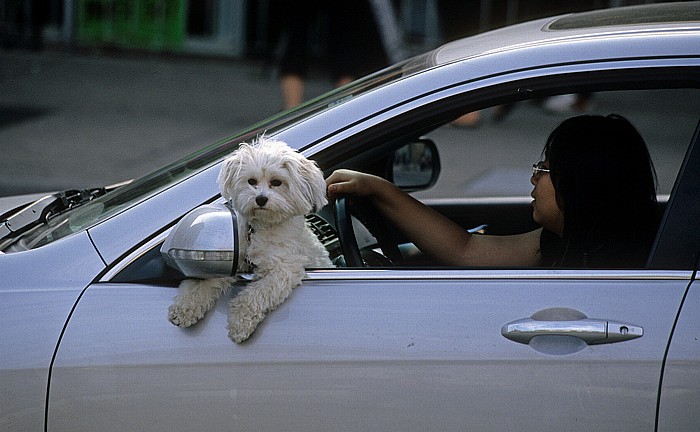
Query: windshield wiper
pixel 43 209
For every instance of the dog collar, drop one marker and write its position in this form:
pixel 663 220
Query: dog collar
pixel 249 235
pixel 250 231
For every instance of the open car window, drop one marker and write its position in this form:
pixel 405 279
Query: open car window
pixel 485 169
pixel 484 173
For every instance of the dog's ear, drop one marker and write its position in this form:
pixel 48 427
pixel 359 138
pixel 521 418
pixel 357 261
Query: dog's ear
pixel 307 176
pixel 316 184
pixel 228 174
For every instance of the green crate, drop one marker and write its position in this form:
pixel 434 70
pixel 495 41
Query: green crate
pixel 140 24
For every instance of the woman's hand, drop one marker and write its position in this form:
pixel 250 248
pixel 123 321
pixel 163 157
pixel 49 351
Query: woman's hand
pixel 347 182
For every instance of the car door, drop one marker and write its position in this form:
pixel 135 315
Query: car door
pixel 385 350
pixel 679 401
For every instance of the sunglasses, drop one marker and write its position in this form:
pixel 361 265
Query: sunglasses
pixel 539 168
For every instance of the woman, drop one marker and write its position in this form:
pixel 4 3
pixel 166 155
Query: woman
pixel 594 198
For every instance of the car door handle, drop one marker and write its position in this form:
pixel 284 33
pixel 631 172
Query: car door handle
pixel 591 331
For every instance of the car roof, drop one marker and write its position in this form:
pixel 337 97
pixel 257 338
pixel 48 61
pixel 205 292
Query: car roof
pixel 642 20
pixel 649 36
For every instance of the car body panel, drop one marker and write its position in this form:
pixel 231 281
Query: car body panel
pixel 660 39
pixel 37 304
pixel 119 234
pixel 386 353
pixel 680 392
pixel 8 203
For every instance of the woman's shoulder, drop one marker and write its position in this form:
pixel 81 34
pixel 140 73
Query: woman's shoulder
pixel 518 249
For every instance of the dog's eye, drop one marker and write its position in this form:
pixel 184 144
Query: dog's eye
pixel 275 183
pixel 252 182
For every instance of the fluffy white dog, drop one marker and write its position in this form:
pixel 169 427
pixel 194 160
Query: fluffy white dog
pixel 271 187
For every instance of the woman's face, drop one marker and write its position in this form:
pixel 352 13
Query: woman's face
pixel 545 209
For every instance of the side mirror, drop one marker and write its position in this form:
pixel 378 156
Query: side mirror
pixel 415 166
pixel 204 243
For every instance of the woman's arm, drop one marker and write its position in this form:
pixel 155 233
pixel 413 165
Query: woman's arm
pixel 433 233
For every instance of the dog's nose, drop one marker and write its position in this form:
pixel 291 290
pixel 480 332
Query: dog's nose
pixel 261 200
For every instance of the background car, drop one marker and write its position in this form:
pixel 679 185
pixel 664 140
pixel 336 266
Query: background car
pixel 86 344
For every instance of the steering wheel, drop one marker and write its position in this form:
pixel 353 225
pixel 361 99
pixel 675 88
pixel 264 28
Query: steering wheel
pixel 365 211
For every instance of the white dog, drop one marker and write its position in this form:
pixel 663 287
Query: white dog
pixel 271 187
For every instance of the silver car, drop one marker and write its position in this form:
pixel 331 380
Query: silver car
pixel 392 341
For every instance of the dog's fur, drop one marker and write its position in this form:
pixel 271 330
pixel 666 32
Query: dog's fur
pixel 271 187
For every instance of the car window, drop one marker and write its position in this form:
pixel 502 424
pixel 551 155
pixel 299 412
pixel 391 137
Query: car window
pixel 484 178
pixel 485 168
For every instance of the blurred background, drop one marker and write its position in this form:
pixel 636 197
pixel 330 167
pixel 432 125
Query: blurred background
pixel 245 29
pixel 93 92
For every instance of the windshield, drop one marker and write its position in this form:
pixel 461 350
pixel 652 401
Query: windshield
pixel 101 208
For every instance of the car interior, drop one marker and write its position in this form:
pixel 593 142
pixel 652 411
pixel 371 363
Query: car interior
pixel 501 215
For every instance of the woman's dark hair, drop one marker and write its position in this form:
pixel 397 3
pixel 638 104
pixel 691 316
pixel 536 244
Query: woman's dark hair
pixel 605 184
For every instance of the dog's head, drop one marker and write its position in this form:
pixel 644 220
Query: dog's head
pixel 268 182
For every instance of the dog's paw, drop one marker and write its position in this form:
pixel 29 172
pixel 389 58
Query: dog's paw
pixel 185 315
pixel 239 333
pixel 242 321
pixel 196 298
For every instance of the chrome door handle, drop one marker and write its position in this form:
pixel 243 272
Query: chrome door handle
pixel 591 331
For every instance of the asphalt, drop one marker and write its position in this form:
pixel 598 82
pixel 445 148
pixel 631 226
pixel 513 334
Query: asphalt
pixel 78 121
pixel 74 121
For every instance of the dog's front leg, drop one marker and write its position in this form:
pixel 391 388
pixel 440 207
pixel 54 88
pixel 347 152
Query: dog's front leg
pixel 196 298
pixel 263 295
